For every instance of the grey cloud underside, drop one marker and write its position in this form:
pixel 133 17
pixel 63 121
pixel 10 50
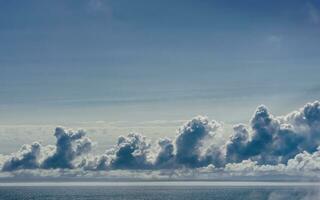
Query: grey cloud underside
pixel 284 143
pixel 69 146
pixel 26 158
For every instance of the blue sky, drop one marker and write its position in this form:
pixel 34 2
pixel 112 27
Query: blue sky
pixel 148 67
pixel 64 62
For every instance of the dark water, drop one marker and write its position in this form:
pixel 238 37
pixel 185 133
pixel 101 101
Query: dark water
pixel 153 192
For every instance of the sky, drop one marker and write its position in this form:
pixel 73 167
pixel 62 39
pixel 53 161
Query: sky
pixel 116 66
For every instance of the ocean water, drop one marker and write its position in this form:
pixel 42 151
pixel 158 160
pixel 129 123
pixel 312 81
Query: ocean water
pixel 157 191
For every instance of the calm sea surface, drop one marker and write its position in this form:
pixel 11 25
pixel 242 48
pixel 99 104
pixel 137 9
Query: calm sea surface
pixel 160 190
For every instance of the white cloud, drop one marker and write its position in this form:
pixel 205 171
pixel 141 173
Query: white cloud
pixel 284 144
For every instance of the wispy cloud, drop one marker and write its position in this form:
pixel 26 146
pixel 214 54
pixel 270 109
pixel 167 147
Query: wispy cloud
pixel 313 13
pixel 99 7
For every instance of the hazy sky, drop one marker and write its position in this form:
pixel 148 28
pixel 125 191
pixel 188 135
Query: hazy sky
pixel 64 62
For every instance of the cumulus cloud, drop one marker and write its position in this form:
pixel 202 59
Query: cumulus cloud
pixel 302 163
pixel 190 140
pixel 131 152
pixel 280 144
pixel 275 140
pixel 305 162
pixel 27 158
pixel 188 149
pixel 69 146
pixel 236 146
pixel 165 156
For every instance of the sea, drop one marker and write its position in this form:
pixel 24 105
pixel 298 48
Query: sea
pixel 172 190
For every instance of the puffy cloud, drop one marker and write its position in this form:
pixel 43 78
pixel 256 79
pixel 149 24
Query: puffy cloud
pixel 27 158
pixel 305 162
pixel 190 140
pixel 236 146
pixel 69 146
pixel 302 163
pixel 275 140
pixel 165 156
pixel 190 148
pixel 131 152
pixel 268 144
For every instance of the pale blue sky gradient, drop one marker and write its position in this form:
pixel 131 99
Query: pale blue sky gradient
pixel 64 62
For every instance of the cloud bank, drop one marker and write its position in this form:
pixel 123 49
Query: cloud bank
pixel 268 143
